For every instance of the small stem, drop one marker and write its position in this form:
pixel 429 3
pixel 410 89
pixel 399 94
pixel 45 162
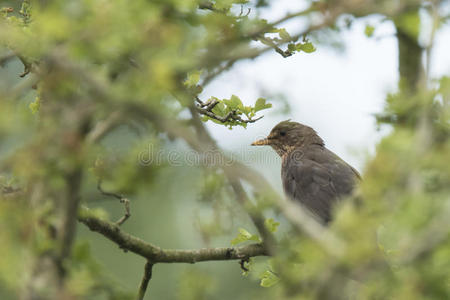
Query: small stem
pixel 148 270
pixel 122 199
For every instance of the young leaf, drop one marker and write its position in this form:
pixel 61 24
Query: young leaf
pixel 271 224
pixel 291 47
pixel 248 265
pixel 34 106
pixel 368 31
pixel 307 47
pixel 261 104
pixel 268 279
pixel 219 109
pixel 284 35
pixel 234 102
pixel 192 79
pixel 244 236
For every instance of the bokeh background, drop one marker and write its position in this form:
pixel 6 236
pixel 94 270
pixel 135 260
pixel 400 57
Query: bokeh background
pixel 336 90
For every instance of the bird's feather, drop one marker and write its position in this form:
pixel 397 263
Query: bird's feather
pixel 317 178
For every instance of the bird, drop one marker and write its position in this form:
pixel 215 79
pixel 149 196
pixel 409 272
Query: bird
pixel 311 174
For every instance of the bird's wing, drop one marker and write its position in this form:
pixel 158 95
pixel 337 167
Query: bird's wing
pixel 317 185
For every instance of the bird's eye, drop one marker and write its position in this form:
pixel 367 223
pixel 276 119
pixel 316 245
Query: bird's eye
pixel 282 133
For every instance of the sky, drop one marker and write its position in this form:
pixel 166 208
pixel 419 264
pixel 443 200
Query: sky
pixel 335 92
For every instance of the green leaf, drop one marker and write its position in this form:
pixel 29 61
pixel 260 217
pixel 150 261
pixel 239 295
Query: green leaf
pixel 307 47
pixel 284 35
pixel 192 79
pixel 219 109
pixel 245 236
pixel 291 47
pixel 224 6
pixel 271 224
pixel 268 279
pixel 34 106
pixel 234 102
pixel 263 23
pixel 247 110
pixel 261 104
pixel 369 30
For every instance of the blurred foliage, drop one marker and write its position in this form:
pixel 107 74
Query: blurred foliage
pixel 107 87
pixel 196 285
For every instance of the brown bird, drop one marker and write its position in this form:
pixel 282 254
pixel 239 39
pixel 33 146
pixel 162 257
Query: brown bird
pixel 312 175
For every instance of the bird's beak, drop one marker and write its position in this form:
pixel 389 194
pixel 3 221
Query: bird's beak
pixel 262 142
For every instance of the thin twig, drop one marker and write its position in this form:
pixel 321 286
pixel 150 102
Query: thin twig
pixel 148 270
pixel 27 66
pixel 272 44
pixel 122 199
pixel 242 263
pixel 250 54
pixel 7 189
pixel 205 108
pixel 242 15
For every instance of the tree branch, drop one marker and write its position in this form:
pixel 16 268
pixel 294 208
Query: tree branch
pixel 68 228
pixel 155 254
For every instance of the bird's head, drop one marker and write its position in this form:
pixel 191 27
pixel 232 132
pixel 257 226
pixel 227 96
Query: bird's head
pixel 288 135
